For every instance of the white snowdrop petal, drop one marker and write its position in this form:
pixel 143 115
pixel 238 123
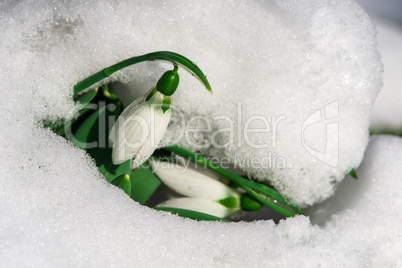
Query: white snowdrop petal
pixel 126 112
pixel 152 143
pixel 132 133
pixel 139 130
pixel 211 174
pixel 190 182
pixel 199 204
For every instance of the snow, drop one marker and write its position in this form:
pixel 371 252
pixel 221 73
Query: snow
pixel 277 72
pixel 74 218
pixel 57 210
pixel 303 83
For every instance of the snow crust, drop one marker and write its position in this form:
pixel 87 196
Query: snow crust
pixel 62 214
pixel 293 81
pixel 57 210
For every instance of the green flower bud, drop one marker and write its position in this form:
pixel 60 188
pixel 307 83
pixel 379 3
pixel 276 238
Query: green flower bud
pixel 168 83
pixel 248 203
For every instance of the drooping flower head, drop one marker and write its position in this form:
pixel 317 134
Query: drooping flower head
pixel 140 128
pixel 201 192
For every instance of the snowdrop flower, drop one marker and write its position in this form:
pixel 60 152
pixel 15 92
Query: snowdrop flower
pixel 201 192
pixel 141 126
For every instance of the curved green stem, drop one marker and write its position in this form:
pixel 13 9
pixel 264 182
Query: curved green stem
pixel 175 58
pixel 271 198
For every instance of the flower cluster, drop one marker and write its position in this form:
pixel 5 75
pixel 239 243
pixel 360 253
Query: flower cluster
pixel 135 136
pixel 197 190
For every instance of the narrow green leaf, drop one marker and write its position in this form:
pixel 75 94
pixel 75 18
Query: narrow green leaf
pixel 103 158
pixel 93 131
pixel 191 214
pixel 353 173
pixel 144 184
pixel 273 204
pixel 175 58
pixel 87 135
pixel 123 182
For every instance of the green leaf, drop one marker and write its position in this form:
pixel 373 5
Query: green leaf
pixel 175 58
pixel 191 214
pixel 144 184
pixel 83 100
pixel 87 134
pixel 273 204
pixel 123 182
pixel 353 173
pixel 93 131
pixel 103 158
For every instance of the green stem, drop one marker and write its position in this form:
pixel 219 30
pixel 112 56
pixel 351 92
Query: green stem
pixel 175 58
pixel 252 188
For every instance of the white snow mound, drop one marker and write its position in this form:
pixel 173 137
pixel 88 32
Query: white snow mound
pixel 293 82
